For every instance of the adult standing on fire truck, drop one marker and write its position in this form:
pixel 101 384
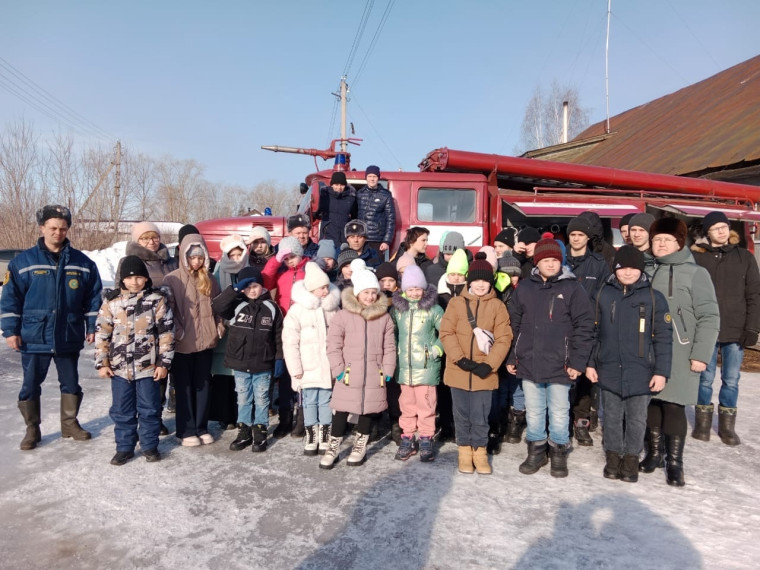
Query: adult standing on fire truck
pixel 377 210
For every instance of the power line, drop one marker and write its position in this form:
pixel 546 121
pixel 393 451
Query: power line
pixel 359 34
pixel 375 38
pixel 398 162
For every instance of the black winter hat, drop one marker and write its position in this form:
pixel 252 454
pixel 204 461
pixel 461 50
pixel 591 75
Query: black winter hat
pixel 53 211
pixel 528 235
pixel 185 230
pixel 624 220
pixel 250 273
pixel 130 266
pixel 298 221
pixel 338 178
pixel 628 256
pixel 580 224
pixel 714 218
pixel 386 269
pixel 480 269
pixel 507 236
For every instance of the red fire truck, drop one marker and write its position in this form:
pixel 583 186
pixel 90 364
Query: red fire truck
pixel 478 194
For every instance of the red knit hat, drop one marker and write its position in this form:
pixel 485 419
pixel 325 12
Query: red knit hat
pixel 546 248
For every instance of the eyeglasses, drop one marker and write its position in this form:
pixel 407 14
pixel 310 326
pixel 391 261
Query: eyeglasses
pixel 154 238
pixel 663 240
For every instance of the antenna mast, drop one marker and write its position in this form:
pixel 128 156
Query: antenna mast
pixel 607 66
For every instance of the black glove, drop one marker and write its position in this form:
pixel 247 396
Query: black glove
pixel 466 364
pixel 482 370
pixel 749 339
pixel 243 283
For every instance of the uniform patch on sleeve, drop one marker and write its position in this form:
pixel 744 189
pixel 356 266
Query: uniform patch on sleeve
pixel 668 318
pixel 7 277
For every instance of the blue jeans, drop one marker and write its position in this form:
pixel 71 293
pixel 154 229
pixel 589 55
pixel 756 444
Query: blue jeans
pixel 35 367
pixel 540 397
pixel 732 354
pixel 625 422
pixel 253 390
pixel 133 402
pixel 316 406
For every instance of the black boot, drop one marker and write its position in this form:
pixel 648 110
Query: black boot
pixel 30 410
pixel 581 432
pixel 629 468
pixel 515 425
pixel 674 462
pixel 171 405
pixel 655 446
pixel 612 466
pixel 726 423
pixel 493 447
pixel 536 457
pixel 286 424
pixel 298 430
pixel 259 438
pixel 593 420
pixel 396 433
pixel 558 455
pixel 702 422
pixel 70 427
pixel 243 439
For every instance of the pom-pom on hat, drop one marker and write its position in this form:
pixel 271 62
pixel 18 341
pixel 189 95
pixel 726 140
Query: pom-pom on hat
pixel 230 242
pixel 506 236
pixel 53 211
pixel 346 256
pixel 372 169
pixel 298 221
pixel 314 277
pixel 132 265
pixel 714 218
pixel 458 263
pixel 364 279
pixel 547 248
pixel 141 228
pixel 480 269
pixel 528 235
pixel 338 178
pixel 642 220
pixel 358 265
pixel 670 226
pixel 490 255
pixel 291 243
pixel 355 228
pixel 413 277
pixel 451 242
pixel 250 273
pixel 628 256
pixel 259 232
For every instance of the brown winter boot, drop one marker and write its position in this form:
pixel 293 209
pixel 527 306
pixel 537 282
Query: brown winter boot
pixel 70 427
pixel 480 459
pixel 30 409
pixel 702 422
pixel 726 423
pixel 465 459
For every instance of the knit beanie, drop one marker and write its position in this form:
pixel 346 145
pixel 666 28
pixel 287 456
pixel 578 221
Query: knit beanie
pixel 372 169
pixel 404 261
pixel 458 263
pixel 451 242
pixel 250 273
pixel 528 235
pixel 355 228
pixel 326 248
pixel 628 256
pixel 338 178
pixel 358 265
pixel 314 277
pixel 413 277
pixel 298 221
pixel 625 220
pixel 642 220
pixel 196 251
pixel 490 255
pixel 53 211
pixel 230 242
pixel 259 232
pixel 132 265
pixel 141 228
pixel 508 264
pixel 386 269
pixel 364 279
pixel 579 224
pixel 346 255
pixel 186 230
pixel 480 269
pixel 714 218
pixel 546 248
pixel 670 226
pixel 291 243
pixel 506 236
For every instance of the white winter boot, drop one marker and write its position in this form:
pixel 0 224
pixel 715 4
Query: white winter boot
pixel 331 455
pixel 310 441
pixel 359 451
pixel 323 437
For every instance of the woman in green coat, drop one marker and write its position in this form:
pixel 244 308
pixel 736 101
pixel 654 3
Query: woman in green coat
pixel 696 322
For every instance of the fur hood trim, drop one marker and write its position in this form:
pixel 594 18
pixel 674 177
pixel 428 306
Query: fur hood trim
pixel 428 301
pixel 702 244
pixel 352 305
pixel 300 296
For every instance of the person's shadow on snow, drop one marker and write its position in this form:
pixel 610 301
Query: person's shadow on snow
pixel 611 531
pixel 392 521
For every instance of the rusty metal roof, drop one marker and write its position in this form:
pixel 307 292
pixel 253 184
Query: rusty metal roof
pixel 704 127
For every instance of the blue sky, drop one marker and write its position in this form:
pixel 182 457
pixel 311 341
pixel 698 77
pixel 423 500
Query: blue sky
pixel 215 81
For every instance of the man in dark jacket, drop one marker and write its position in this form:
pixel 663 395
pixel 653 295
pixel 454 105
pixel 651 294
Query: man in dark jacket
pixel 597 242
pixel 734 273
pixel 298 227
pixel 50 301
pixel 337 205
pixel 375 207
pixel 356 235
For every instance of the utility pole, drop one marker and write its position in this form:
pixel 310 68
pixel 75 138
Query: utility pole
pixel 343 99
pixel 607 67
pixel 116 189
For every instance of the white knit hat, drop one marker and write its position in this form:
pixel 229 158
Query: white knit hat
pixel 315 277
pixel 230 242
pixel 364 279
pixel 358 265
pixel 259 232
pixel 141 228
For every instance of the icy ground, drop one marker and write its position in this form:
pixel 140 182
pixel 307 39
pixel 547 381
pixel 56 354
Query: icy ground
pixel 64 506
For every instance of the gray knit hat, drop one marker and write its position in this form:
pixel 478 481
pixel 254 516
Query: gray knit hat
pixel 642 220
pixel 451 242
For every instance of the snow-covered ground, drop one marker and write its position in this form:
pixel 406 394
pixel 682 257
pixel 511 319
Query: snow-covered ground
pixel 65 506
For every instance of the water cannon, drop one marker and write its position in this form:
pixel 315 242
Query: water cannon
pixel 342 158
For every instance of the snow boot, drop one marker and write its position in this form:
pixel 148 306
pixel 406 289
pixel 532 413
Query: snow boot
pixel 359 451
pixel 427 451
pixel 558 456
pixel 613 465
pixel 122 457
pixel 407 448
pixel 581 432
pixel 726 423
pixel 480 460
pixel 655 445
pixel 286 424
pixel 244 438
pixel 396 432
pixel 259 438
pixel 298 429
pixel 310 441
pixel 465 459
pixel 536 457
pixel 674 460
pixel 703 416
pixel 70 427
pixel 593 420
pixel 447 432
pixel 162 429
pixel 323 438
pixel 515 426
pixel 330 458
pixel 629 468
pixel 30 410
pixel 152 455
pixel 493 447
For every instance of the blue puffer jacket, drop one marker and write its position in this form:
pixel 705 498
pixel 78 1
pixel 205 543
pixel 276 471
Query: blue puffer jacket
pixel 51 305
pixel 376 208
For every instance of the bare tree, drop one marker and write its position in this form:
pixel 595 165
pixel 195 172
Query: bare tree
pixel 179 186
pixel 542 121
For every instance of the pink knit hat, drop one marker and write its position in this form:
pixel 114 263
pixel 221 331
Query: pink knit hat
pixel 413 277
pixel 490 255
pixel 403 262
pixel 141 228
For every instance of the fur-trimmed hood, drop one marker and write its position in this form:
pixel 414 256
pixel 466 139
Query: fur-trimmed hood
pixel 702 245
pixel 189 241
pixel 444 287
pixel 428 301
pixel 162 255
pixel 352 305
pixel 300 296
